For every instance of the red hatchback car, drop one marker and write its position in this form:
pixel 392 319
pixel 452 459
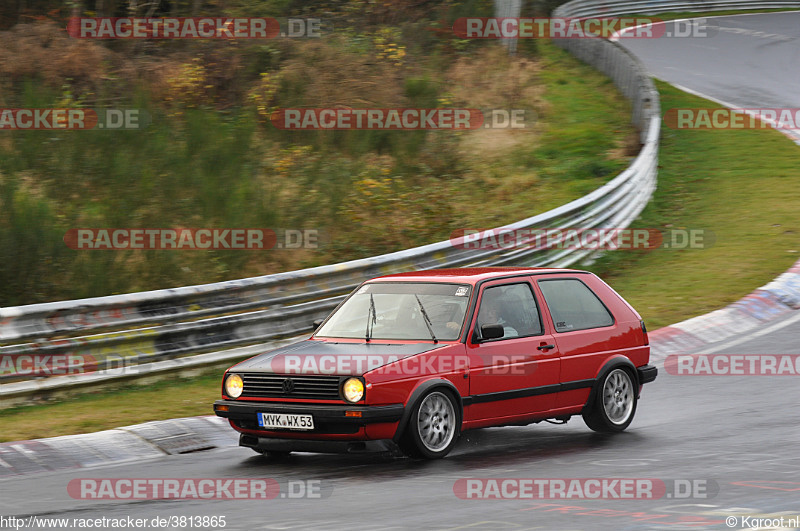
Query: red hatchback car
pixel 414 359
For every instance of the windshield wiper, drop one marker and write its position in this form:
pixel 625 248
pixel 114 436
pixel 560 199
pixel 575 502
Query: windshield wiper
pixel 427 320
pixel 374 318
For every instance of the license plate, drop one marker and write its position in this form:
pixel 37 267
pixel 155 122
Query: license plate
pixel 286 421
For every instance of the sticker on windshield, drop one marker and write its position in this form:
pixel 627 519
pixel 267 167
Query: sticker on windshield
pixel 363 290
pixel 462 291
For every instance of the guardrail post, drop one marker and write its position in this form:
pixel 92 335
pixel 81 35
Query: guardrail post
pixel 508 9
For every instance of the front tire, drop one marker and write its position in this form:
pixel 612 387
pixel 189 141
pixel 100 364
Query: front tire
pixel 434 426
pixel 614 404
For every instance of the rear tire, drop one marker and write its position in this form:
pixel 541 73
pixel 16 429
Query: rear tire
pixel 614 404
pixel 434 426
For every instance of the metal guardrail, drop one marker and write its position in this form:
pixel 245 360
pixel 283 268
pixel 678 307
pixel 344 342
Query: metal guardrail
pixel 601 8
pixel 156 325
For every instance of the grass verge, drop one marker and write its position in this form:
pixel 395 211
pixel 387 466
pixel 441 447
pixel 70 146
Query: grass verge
pixel 124 405
pixel 365 192
pixel 741 187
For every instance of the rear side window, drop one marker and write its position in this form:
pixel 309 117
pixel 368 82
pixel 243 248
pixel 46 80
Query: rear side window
pixel 573 305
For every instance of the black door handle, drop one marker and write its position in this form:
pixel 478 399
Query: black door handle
pixel 545 347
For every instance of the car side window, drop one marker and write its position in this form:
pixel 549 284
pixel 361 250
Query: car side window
pixel 512 306
pixel 573 305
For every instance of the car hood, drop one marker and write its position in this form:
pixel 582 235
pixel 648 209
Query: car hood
pixel 325 357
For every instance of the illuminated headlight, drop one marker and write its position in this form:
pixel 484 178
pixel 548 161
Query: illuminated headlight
pixel 353 390
pixel 234 385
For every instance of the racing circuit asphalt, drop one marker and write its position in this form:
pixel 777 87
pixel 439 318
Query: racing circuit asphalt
pixel 738 433
pixel 746 60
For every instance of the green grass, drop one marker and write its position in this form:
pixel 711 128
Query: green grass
pixel 575 145
pixel 742 185
pixel 128 404
pixel 366 192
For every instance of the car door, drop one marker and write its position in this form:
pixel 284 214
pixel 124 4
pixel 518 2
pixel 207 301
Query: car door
pixel 517 374
pixel 584 331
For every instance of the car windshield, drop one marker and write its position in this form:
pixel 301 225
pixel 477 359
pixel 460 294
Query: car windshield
pixel 401 310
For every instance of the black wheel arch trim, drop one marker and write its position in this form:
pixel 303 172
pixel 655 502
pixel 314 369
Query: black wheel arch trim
pixel 609 366
pixel 417 394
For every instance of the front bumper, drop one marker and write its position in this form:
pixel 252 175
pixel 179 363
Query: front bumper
pixel 268 444
pixel 328 418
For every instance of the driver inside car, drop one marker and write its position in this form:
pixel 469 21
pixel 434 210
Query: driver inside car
pixel 491 313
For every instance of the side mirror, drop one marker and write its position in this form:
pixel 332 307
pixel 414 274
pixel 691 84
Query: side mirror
pixel 492 331
pixel 317 323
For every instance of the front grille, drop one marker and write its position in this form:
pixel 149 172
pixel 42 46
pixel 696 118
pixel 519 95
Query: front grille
pixel 260 385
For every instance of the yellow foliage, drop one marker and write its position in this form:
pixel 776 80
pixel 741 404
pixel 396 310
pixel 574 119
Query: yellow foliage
pixel 187 87
pixel 261 96
pixel 384 41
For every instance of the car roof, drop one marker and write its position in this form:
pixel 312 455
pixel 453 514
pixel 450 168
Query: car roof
pixel 470 275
